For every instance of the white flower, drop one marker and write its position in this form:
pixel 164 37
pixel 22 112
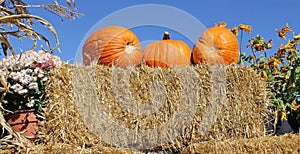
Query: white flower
pixel 45 79
pixel 27 63
pixel 34 79
pixel 16 87
pixel 30 103
pixel 23 72
pixel 15 75
pixel 29 71
pixel 57 62
pixel 39 72
pixel 25 79
pixel 33 85
pixel 40 75
pixel 23 91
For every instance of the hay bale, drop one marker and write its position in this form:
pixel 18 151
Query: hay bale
pixel 230 104
pixel 66 148
pixel 269 144
pixel 60 148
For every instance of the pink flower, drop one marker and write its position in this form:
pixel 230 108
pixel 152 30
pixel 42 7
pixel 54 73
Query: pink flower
pixel 33 85
pixel 47 64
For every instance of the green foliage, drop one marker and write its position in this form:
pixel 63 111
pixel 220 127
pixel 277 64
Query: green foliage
pixel 281 71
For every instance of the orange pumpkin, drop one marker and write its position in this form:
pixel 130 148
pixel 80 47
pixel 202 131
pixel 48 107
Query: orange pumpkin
pixel 113 45
pixel 217 45
pixel 167 53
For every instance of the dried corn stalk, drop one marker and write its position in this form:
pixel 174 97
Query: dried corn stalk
pixel 16 21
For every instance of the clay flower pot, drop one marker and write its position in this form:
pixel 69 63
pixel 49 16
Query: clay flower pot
pixel 24 122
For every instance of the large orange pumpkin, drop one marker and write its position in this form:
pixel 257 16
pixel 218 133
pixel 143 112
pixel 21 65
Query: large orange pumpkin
pixel 167 53
pixel 113 45
pixel 217 45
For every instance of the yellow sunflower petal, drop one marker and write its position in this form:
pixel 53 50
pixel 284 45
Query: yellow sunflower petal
pixel 297 37
pixel 287 28
pixel 246 28
pixel 221 24
pixel 235 30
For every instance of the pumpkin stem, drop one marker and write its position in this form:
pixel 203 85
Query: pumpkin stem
pixel 166 36
pixel 129 43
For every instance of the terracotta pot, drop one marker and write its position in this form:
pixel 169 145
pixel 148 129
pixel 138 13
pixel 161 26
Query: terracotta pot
pixel 24 122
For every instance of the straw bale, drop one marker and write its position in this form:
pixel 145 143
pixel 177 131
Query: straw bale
pixel 60 148
pixel 268 144
pixel 241 108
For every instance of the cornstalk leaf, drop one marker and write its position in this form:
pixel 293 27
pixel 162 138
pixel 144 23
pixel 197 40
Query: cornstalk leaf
pixel 14 33
pixel 69 3
pixel 7 19
pixel 6 42
pixel 74 3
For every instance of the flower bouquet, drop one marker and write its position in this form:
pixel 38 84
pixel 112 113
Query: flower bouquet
pixel 22 89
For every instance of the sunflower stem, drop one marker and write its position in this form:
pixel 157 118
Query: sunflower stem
pixel 240 50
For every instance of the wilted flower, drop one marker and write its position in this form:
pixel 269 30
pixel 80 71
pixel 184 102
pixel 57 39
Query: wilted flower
pixel 282 33
pixel 221 24
pixel 297 37
pixel 269 44
pixel 263 75
pixel 246 28
pixel 286 28
pixel 283 68
pixel 235 30
pixel 276 62
pixel 259 45
pixel 295 106
pixel 291 45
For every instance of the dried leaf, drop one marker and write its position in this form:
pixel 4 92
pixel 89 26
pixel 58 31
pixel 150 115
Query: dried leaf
pixel 7 43
pixel 74 3
pixel 8 19
pixel 246 28
pixel 69 3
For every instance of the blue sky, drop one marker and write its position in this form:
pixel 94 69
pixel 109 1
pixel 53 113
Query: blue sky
pixel 263 15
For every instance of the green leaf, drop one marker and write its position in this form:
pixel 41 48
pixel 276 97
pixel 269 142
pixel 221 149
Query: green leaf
pixel 288 105
pixel 283 86
pixel 249 58
pixel 243 54
pixel 297 70
pixel 288 74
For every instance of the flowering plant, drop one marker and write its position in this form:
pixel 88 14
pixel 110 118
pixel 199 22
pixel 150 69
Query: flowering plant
pixel 281 71
pixel 23 80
